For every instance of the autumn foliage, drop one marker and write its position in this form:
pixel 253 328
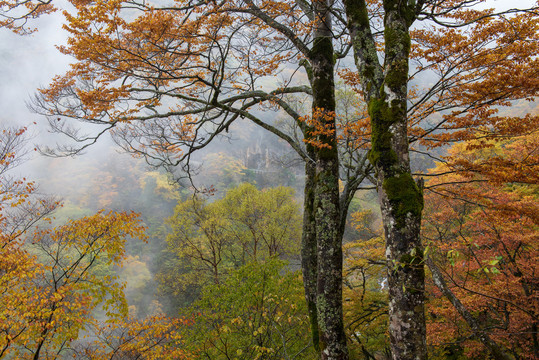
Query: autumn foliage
pixel 16 14
pixel 167 81
pixel 152 338
pixel 365 289
pixel 480 229
pixel 53 278
pixel 482 220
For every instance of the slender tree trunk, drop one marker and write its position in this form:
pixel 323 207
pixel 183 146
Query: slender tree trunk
pixel 495 350
pixel 326 190
pixel 329 296
pixel 535 341
pixel 309 251
pixel 38 350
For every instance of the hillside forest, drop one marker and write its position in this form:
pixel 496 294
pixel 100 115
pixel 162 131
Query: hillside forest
pixel 263 179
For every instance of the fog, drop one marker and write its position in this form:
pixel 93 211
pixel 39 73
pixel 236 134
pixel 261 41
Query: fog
pixel 30 62
pixel 87 182
pixel 26 64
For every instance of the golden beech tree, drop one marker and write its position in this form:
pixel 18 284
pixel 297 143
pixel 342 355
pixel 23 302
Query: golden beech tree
pixel 71 276
pixel 51 279
pixel 167 80
pixel 19 211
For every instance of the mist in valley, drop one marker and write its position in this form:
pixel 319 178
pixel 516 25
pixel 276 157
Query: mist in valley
pixel 216 249
pixel 103 176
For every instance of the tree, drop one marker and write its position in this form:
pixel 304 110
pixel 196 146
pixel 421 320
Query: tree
pixel 72 277
pixel 170 80
pixel 257 312
pixel 19 211
pixel 463 96
pixel 51 279
pixel 211 239
pixel 207 61
pixel 483 223
pixel 480 227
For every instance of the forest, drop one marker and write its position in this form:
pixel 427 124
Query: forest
pixel 269 179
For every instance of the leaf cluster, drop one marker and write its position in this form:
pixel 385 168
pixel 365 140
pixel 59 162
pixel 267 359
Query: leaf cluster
pixel 211 239
pixel 258 312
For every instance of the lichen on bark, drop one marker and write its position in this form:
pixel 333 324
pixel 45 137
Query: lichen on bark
pixel 326 201
pixel 309 261
pixel 400 197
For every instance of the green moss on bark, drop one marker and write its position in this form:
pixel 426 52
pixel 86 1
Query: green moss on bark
pixel 397 50
pixel 323 47
pixel 397 40
pixel 381 153
pixel 406 11
pixel 404 196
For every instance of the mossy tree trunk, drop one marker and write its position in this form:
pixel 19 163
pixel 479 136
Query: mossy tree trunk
pixel 309 262
pixel 401 199
pixel 326 209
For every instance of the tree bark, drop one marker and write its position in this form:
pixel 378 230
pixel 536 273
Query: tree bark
pixel 309 262
pixel 332 338
pixel 401 199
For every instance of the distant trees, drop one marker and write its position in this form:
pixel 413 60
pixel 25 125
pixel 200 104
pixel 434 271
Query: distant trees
pixel 210 239
pixel 167 81
pixel 365 290
pixel 239 299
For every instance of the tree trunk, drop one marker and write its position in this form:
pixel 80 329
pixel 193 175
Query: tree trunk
pixel 406 273
pixel 332 338
pixel 309 263
pixel 401 199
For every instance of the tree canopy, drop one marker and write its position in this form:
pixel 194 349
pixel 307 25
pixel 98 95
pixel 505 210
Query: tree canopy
pixel 168 79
